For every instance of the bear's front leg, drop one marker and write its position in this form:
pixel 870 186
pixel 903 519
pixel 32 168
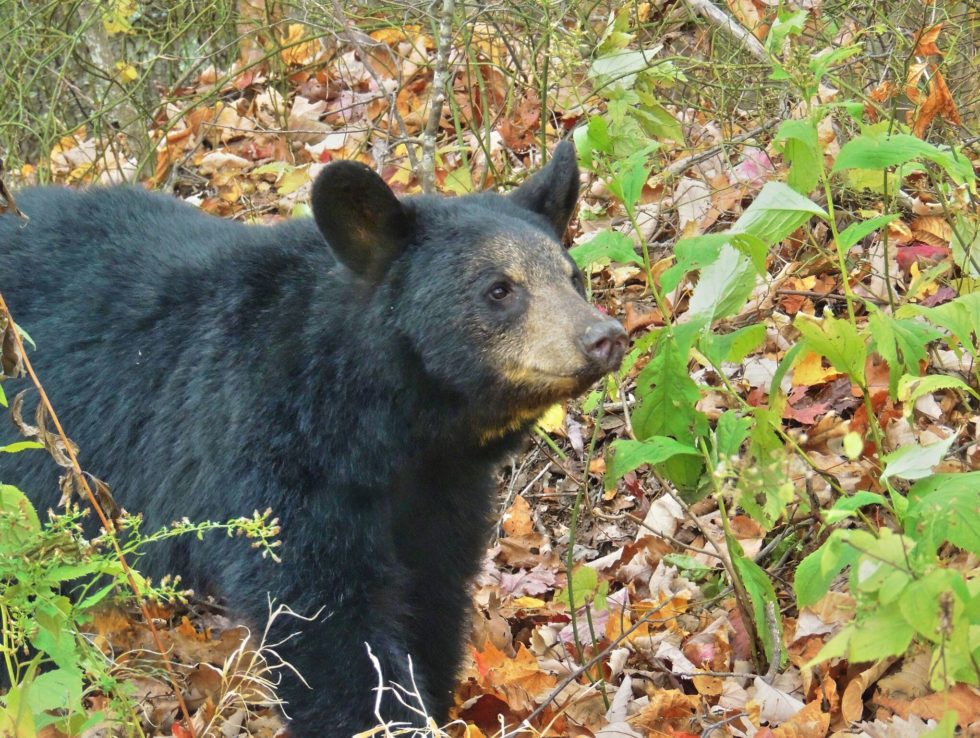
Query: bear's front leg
pixel 336 569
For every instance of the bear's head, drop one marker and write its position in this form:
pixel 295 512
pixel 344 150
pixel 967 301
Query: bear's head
pixel 479 286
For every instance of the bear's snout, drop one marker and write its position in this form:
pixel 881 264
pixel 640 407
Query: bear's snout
pixel 604 342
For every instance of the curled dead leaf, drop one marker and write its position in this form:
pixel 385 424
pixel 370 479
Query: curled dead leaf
pixel 12 359
pixel 938 102
pixel 51 441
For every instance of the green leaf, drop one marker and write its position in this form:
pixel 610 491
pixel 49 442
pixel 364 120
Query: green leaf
pixel 459 181
pixel 914 461
pixel 776 212
pixel 798 142
pixel 628 455
pixel 760 591
pixel 615 36
pixel 818 570
pixel 835 648
pixel 785 365
pixel 884 632
pixel 822 61
pixel 55 634
pixel 921 602
pixel 845 507
pixel 946 727
pixel 591 138
pixel 856 231
pixel 18 446
pixel 693 253
pixel 723 287
pixel 910 388
pixel 656 120
pixel 765 488
pixel 620 68
pixel 732 347
pixel 901 343
pixel 945 507
pixel 961 317
pixel 23 526
pixel 60 689
pixel 688 564
pixel 667 394
pixel 700 252
pixel 605 247
pixel 965 245
pixel 787 24
pixel 16 716
pixel 870 151
pixel 582 586
pixel 628 177
pixel 838 341
pixel 730 434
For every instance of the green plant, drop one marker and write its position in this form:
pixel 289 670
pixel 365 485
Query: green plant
pixel 53 579
pixel 914 590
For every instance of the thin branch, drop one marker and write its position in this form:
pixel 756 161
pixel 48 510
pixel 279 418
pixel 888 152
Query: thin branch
pixel 107 525
pixel 720 18
pixel 440 81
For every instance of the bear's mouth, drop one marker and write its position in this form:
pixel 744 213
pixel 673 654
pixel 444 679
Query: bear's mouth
pixel 554 385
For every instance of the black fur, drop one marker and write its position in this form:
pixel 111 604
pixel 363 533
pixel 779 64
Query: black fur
pixel 208 369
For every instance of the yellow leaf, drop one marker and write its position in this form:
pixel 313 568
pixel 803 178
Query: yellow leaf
pixel 553 420
pixel 116 15
pixel 293 180
pixel 810 370
pixel 126 72
pixel 297 51
pixel 528 603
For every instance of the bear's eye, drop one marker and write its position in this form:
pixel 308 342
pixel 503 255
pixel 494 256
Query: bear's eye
pixel 500 291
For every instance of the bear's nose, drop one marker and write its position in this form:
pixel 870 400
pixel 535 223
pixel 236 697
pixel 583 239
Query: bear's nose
pixel 605 344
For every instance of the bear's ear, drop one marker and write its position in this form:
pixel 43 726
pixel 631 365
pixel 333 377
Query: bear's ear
pixel 553 191
pixel 362 220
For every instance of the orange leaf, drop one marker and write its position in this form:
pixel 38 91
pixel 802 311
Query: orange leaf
pixel 925 42
pixel 940 102
pixel 490 658
pixel 810 722
pixel 517 520
pixel 912 91
pixel 810 371
pixel 298 53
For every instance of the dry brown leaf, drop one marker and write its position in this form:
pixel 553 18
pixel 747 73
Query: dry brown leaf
pixel 932 229
pixel 962 698
pixel 810 722
pixel 298 52
pixel 939 102
pixel 852 702
pixel 925 41
pixel 517 521
pixel 667 708
pixel 912 91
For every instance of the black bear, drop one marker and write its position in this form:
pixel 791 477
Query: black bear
pixel 360 373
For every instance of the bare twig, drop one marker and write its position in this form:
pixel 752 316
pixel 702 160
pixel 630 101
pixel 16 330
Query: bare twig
pixel 724 21
pixel 681 165
pixel 107 525
pixel 357 40
pixel 440 80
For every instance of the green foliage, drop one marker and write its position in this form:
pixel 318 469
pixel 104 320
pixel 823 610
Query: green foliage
pixel 52 581
pixel 896 573
pixel 901 592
